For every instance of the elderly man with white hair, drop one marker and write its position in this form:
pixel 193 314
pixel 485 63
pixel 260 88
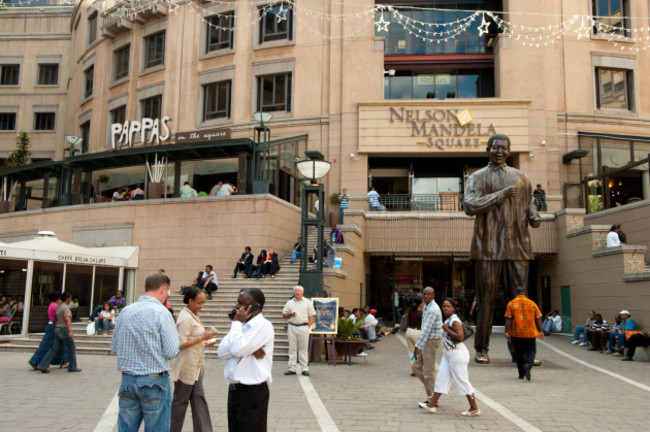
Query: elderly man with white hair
pixel 300 313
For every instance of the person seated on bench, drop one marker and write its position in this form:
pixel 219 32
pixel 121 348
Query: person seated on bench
pixel 641 339
pixel 245 263
pixel 552 323
pixel 598 333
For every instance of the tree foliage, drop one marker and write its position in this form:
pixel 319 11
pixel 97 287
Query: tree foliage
pixel 20 156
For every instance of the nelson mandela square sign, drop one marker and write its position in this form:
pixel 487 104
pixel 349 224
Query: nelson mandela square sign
pixel 441 128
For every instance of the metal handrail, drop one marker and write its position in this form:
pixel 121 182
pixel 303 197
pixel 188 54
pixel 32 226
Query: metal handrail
pixel 430 202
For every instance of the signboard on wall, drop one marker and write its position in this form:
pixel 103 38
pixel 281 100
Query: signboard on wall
pixel 153 129
pixel 214 134
pixel 449 126
pixel 326 319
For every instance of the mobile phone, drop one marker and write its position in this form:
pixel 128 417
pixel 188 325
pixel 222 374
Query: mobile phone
pixel 214 339
pixel 254 307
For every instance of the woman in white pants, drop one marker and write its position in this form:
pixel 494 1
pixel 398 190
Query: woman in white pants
pixel 453 367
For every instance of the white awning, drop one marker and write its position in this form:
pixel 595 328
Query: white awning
pixel 46 247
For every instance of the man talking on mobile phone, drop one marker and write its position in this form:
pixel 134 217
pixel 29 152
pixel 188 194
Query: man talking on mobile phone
pixel 248 349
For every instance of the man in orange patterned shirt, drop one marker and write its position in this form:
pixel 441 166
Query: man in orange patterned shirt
pixel 523 325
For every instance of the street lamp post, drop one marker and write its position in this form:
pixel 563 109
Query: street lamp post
pixel 313 168
pixel 66 177
pixel 261 161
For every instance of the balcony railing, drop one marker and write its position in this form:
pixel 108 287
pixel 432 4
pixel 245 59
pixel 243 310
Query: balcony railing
pixel 414 45
pixel 451 201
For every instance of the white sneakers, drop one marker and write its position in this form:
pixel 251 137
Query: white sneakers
pixel 575 342
pixel 424 405
pixel 362 354
pixel 582 344
pixel 469 413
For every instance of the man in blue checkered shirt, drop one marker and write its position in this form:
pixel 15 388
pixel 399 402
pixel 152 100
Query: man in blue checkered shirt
pixel 427 344
pixel 144 340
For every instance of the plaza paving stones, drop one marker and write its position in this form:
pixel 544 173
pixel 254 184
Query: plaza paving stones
pixel 376 395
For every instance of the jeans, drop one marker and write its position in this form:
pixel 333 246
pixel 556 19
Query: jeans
pixel 616 341
pixel 96 312
pixel 341 215
pixel 105 324
pixel 525 350
pixel 144 397
pixel 548 327
pixel 576 334
pixel 295 254
pixel 60 338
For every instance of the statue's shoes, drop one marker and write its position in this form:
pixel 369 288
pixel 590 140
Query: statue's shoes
pixel 481 358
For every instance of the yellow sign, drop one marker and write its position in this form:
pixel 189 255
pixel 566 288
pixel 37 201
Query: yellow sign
pixel 464 117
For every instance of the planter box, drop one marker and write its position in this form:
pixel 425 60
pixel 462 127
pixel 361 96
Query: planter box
pixel 344 348
pixel 155 190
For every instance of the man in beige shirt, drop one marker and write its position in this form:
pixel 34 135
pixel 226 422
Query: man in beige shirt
pixel 300 313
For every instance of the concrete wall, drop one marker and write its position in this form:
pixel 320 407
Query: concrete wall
pixel 179 235
pixel 633 217
pixel 595 276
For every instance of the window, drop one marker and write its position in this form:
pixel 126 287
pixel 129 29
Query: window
pixel 89 76
pixel 84 132
pixel 276 22
pixel 48 74
pixel 7 121
pixel 118 115
pixel 9 74
pixel 44 121
pixel 216 100
pixel 151 107
pixel 92 28
pixel 155 50
pixel 613 88
pixel 274 92
pixel 610 17
pixel 220 31
pixel 439 83
pixel 121 57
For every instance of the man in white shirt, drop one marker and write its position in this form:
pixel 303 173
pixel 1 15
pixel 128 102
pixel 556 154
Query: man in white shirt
pixel 613 236
pixel 248 349
pixel 209 280
pixel 371 325
pixel 552 323
pixel 226 189
pixel 373 198
pixel 300 312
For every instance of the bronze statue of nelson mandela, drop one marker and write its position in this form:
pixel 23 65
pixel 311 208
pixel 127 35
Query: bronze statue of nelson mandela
pixel 501 199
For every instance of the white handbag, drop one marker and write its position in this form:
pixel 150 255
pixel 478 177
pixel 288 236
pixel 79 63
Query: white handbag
pixel 90 329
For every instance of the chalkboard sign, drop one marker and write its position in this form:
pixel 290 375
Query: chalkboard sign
pixel 326 319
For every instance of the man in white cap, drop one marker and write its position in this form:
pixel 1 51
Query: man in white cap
pixel 617 336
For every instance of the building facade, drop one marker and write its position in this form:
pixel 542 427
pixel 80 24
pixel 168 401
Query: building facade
pixel 398 95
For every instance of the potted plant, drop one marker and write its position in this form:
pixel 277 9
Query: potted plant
pixel 348 339
pixel 156 172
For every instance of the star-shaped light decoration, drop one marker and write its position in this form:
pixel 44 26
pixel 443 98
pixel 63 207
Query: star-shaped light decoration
pixel 601 241
pixel 583 30
pixel 282 14
pixel 382 24
pixel 484 27
pixel 635 263
pixel 575 223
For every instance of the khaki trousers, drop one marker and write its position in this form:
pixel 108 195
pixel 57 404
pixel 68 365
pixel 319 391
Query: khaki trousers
pixel 425 365
pixel 412 336
pixel 298 345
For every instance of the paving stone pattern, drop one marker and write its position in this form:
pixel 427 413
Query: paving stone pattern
pixel 375 395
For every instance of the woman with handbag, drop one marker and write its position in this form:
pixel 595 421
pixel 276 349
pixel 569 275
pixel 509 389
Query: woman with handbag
pixel 187 368
pixel 453 366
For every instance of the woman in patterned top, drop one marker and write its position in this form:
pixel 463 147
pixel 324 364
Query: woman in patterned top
pixel 453 366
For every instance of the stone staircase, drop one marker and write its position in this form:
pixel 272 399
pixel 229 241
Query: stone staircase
pixel 215 313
